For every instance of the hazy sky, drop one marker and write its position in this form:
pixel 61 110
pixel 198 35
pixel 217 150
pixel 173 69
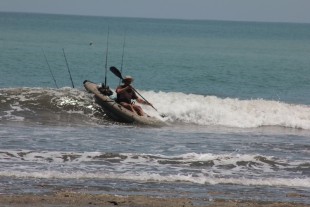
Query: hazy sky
pixel 244 10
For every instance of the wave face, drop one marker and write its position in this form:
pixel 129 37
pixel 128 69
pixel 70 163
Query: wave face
pixel 67 105
pixel 48 106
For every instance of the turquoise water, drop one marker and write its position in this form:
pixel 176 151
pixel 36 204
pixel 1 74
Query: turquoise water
pixel 236 96
pixel 225 59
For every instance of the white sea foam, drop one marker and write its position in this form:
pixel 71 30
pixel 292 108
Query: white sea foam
pixel 178 107
pixel 211 110
pixel 75 157
pixel 9 114
pixel 208 164
pixel 146 177
pixel 187 167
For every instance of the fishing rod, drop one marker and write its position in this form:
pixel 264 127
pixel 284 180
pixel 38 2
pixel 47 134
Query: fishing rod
pixel 106 60
pixel 116 72
pixel 50 69
pixel 68 67
pixel 123 55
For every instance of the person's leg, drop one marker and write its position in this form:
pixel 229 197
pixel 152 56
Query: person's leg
pixel 139 110
pixel 128 106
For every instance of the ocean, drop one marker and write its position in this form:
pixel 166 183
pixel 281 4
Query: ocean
pixel 236 96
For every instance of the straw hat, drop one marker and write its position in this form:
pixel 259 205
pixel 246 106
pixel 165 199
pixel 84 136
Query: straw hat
pixel 128 77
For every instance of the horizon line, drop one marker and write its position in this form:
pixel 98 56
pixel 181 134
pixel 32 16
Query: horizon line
pixel 155 18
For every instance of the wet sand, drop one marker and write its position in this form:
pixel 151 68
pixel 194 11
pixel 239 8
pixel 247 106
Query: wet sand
pixel 70 199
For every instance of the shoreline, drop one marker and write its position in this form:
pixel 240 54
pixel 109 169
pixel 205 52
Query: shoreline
pixel 70 199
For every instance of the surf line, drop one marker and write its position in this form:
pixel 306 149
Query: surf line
pixel 68 67
pixel 50 69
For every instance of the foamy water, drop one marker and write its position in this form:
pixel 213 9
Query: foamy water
pixel 204 169
pixel 193 109
pixel 212 110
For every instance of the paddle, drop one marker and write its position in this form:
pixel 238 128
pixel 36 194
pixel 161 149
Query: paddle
pixel 116 72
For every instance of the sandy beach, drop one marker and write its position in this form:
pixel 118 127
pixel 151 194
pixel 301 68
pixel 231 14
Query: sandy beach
pixel 70 199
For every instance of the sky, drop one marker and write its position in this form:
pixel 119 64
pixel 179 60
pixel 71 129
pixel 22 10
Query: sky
pixel 233 10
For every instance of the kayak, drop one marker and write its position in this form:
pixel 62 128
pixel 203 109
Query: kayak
pixel 116 111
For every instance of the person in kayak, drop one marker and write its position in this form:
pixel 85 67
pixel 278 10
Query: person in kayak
pixel 125 93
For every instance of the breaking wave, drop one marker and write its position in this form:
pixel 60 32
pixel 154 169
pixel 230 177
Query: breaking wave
pixel 212 110
pixel 67 105
pixel 49 106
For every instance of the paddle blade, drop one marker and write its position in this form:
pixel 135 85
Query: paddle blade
pixel 116 72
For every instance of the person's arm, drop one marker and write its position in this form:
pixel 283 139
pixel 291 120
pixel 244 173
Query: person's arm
pixel 141 101
pixel 122 90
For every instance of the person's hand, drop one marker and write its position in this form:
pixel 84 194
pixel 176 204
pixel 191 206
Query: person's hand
pixel 129 88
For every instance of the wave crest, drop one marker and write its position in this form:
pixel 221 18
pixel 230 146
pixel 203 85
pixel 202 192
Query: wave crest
pixel 212 110
pixel 77 106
